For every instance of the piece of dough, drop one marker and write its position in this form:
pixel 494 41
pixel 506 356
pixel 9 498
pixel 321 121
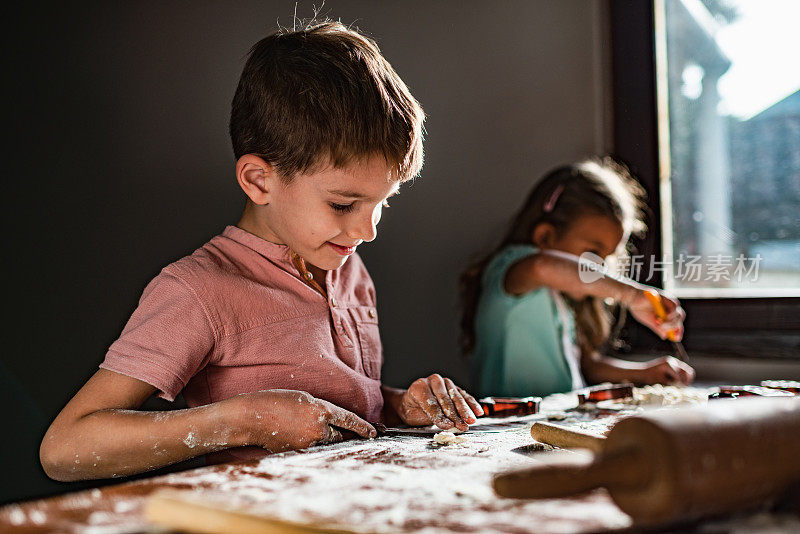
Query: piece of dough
pixel 448 438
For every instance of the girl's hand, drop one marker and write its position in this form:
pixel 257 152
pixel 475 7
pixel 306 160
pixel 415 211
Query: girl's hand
pixel 436 400
pixel 666 370
pixel 281 420
pixel 642 310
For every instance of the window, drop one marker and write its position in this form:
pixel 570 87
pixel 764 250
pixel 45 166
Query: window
pixel 753 320
pixel 728 97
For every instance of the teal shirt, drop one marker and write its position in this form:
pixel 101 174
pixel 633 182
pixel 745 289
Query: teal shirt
pixel 519 347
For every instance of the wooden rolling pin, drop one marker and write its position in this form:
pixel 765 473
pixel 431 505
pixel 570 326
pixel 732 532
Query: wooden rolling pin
pixel 675 465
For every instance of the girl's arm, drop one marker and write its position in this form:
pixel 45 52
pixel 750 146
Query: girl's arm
pixel 100 433
pixel 667 370
pixel 562 273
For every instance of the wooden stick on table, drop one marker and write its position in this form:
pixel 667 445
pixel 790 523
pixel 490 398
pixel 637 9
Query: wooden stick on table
pixel 566 438
pixel 190 512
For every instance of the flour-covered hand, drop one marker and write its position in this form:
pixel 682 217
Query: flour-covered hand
pixel 667 370
pixel 280 420
pixel 437 400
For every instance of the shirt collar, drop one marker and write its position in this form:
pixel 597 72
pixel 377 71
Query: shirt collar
pixel 279 254
pixel 272 251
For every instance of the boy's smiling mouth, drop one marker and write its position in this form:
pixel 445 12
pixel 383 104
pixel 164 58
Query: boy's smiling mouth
pixel 344 251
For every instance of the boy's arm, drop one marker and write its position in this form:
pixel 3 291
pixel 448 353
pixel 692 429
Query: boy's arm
pixel 99 433
pixel 563 274
pixel 668 370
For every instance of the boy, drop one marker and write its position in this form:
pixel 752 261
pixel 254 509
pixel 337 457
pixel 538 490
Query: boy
pixel 270 329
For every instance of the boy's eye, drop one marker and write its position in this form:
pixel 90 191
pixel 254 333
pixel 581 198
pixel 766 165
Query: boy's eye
pixel 343 208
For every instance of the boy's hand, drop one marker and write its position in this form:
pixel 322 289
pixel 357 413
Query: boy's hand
pixel 281 420
pixel 437 400
pixel 642 310
pixel 666 370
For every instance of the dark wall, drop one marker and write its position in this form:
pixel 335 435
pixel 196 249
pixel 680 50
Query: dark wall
pixel 120 163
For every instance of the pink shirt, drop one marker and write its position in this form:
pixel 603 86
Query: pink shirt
pixel 237 316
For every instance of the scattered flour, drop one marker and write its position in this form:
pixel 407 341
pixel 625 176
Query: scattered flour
pixel 122 507
pixel 96 518
pixel 37 517
pixel 659 395
pixel 191 440
pixel 17 516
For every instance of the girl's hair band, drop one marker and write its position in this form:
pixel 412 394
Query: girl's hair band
pixel 551 202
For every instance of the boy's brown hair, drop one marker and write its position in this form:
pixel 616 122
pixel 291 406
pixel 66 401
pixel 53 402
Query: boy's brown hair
pixel 324 94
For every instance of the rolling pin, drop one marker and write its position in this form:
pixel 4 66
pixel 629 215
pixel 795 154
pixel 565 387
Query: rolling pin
pixel 677 465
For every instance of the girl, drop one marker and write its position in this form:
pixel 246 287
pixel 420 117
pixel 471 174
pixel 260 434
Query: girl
pixel 535 321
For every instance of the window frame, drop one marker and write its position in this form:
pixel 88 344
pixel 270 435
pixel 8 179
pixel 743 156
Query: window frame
pixel 757 326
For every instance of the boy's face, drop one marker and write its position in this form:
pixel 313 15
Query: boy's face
pixel 325 215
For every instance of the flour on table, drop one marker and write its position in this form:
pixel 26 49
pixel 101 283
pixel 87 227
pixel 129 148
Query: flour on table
pixel 659 395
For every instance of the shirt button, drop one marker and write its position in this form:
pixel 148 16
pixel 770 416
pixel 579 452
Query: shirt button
pixel 371 313
pixel 333 302
pixel 309 276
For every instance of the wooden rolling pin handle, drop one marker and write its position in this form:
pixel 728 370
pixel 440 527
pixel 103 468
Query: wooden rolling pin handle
pixel 566 438
pixel 554 481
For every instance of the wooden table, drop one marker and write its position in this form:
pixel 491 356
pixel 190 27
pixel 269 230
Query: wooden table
pixel 389 484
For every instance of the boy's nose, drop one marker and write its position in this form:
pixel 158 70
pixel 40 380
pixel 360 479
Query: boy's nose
pixel 364 228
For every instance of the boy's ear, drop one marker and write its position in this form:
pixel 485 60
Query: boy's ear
pixel 256 177
pixel 544 235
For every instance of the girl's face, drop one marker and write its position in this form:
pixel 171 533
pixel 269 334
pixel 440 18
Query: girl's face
pixel 597 234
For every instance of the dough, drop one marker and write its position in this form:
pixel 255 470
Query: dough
pixel 448 438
